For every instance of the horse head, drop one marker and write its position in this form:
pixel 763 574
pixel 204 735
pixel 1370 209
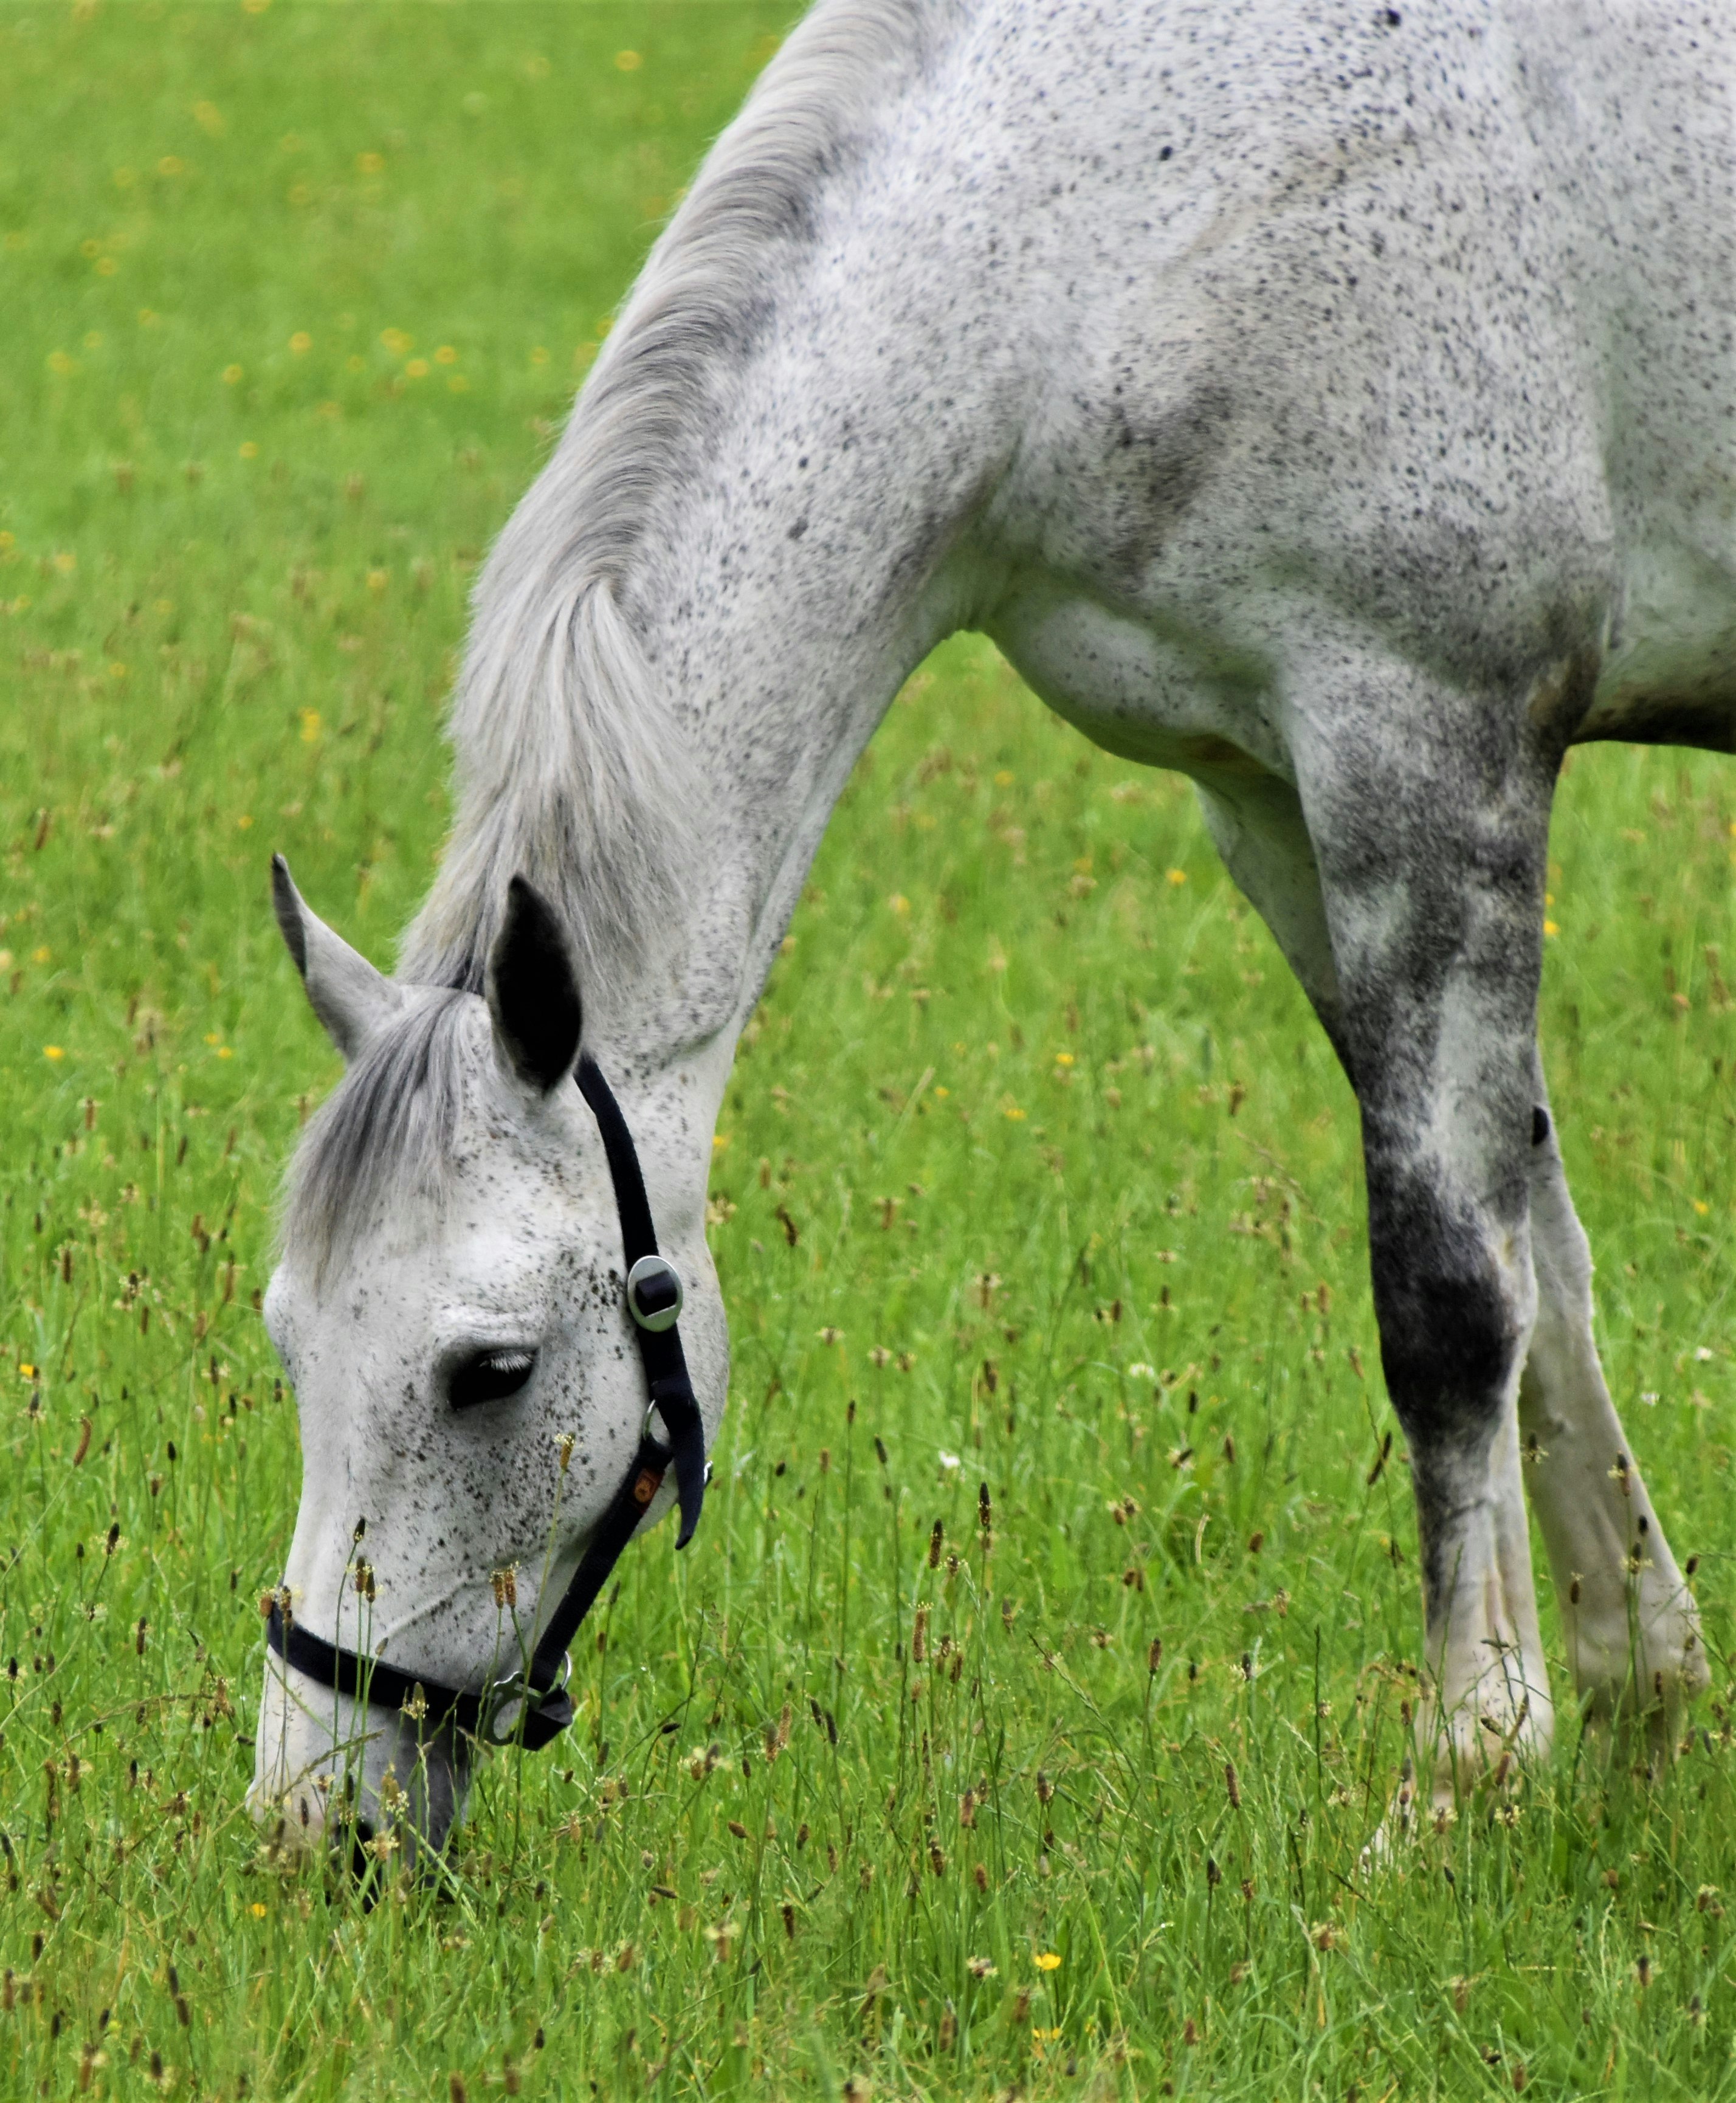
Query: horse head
pixel 450 1305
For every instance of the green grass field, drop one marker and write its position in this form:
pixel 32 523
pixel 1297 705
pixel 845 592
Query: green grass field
pixel 1034 1174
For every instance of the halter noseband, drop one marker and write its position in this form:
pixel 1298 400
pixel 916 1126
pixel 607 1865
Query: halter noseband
pixel 532 1703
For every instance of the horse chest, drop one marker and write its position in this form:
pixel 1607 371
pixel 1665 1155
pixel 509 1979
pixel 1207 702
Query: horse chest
pixel 1161 689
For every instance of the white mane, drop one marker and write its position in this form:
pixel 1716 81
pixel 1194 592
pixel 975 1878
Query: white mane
pixel 572 769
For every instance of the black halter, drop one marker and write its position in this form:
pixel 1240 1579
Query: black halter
pixel 531 1704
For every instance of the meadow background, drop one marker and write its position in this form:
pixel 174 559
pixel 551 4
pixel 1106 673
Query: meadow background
pixel 1036 1181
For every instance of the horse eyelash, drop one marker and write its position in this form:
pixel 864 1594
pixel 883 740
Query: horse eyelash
pixel 490 1377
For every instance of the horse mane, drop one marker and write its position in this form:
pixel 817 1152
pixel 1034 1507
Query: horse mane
pixel 572 769
pixel 388 1126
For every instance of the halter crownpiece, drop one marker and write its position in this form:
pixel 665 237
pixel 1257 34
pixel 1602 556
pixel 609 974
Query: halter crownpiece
pixel 532 1705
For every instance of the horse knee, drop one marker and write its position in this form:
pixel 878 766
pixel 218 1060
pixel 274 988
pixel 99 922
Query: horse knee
pixel 1455 1300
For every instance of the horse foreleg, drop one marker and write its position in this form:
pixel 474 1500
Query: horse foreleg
pixel 1631 1626
pixel 1487 1693
pixel 1431 847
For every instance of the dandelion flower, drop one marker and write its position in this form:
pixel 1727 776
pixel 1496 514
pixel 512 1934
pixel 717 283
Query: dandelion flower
pixel 232 375
pixel 446 355
pixel 53 1051
pixel 301 342
pixel 1179 876
pixel 1047 1960
pixel 417 368
pixel 628 61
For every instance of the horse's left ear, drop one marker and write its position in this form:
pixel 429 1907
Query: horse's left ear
pixel 350 997
pixel 533 994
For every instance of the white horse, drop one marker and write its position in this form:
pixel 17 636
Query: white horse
pixel 1332 402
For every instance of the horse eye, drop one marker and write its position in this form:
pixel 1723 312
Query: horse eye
pixel 490 1377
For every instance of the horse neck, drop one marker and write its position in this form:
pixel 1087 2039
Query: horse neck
pixel 795 555
pixel 796 578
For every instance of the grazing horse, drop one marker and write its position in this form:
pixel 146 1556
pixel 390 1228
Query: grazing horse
pixel 1331 402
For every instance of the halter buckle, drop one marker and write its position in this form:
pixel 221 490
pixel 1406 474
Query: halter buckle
pixel 503 1701
pixel 655 1293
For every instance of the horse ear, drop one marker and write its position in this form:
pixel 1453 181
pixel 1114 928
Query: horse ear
pixel 533 994
pixel 350 997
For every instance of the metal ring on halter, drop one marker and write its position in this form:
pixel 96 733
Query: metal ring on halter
pixel 654 1293
pixel 501 1695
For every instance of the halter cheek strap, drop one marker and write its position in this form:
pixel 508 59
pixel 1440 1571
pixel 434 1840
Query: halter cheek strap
pixel 532 1703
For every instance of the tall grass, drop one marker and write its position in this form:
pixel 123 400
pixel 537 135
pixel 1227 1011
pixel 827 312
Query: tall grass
pixel 1049 1653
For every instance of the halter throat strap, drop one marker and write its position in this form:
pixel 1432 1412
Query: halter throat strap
pixel 532 1705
